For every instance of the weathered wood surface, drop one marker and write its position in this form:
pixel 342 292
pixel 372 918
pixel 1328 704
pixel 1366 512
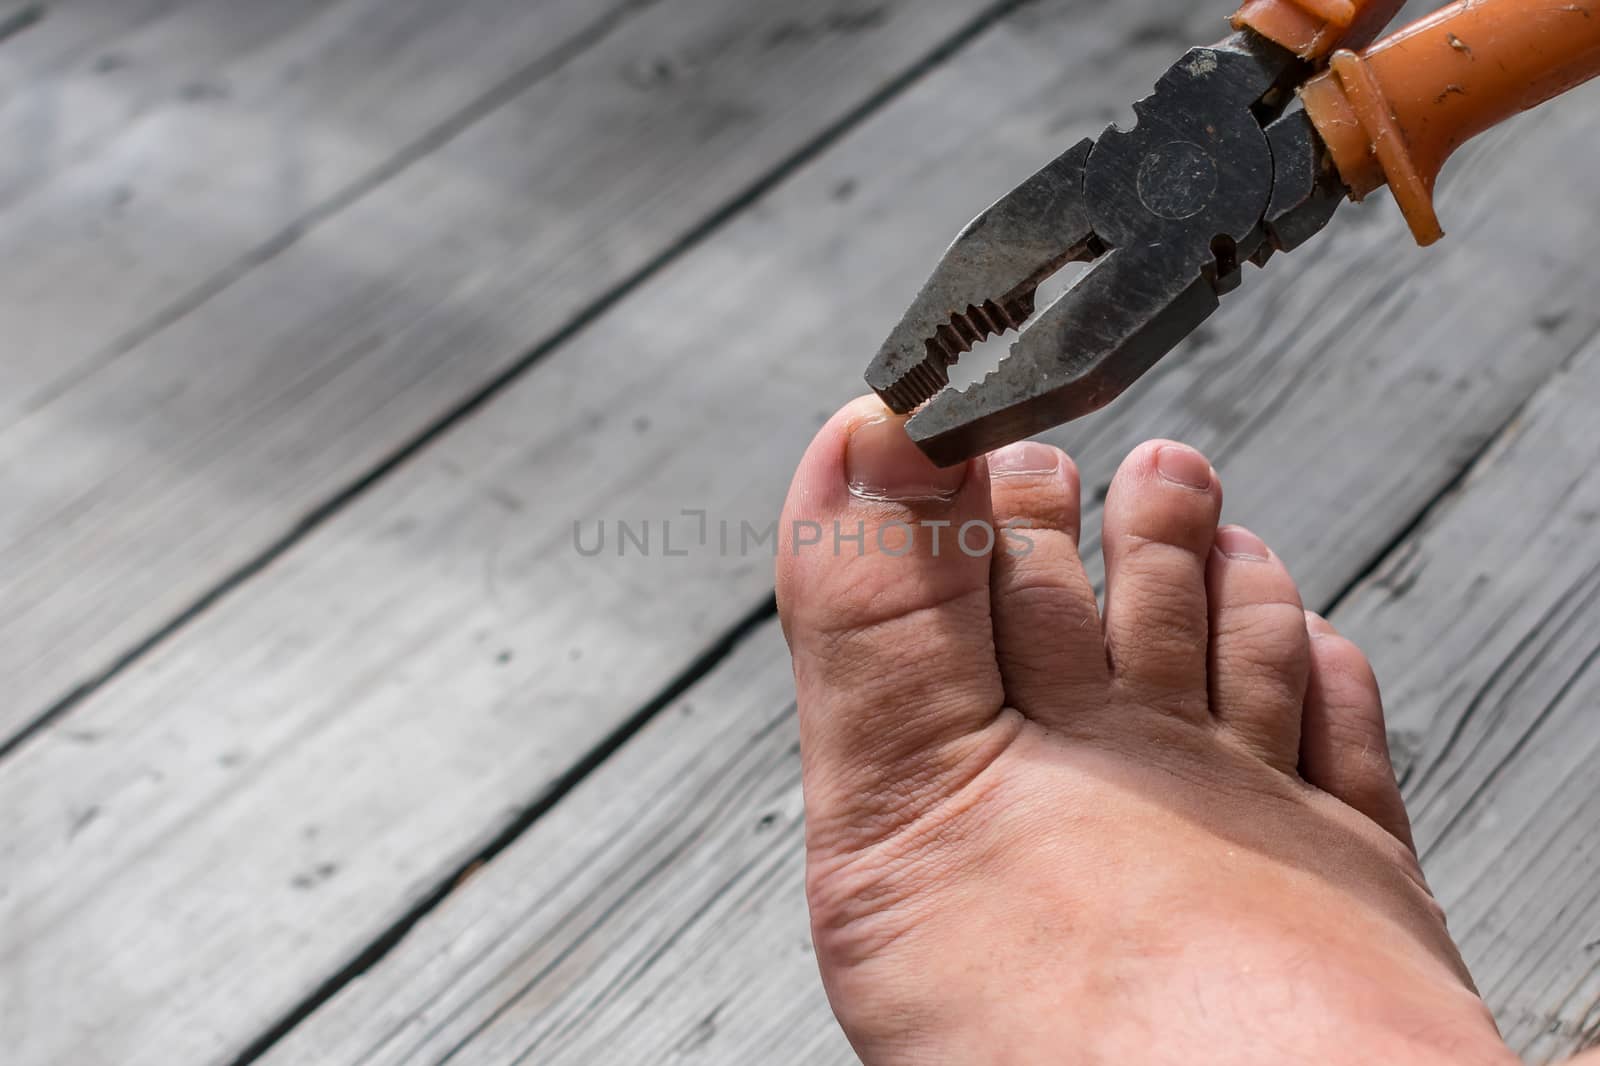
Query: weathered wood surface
pixel 659 910
pixel 220 133
pixel 193 373
pixel 1485 627
pixel 220 828
pixel 84 69
pixel 656 916
pixel 46 40
pixel 15 18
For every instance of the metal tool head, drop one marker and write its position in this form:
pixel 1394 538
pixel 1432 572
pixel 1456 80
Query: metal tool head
pixel 1168 211
pixel 986 282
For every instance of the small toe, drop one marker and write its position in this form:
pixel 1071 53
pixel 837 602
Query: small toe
pixel 1260 650
pixel 1160 522
pixel 1344 747
pixel 1046 618
pixel 883 591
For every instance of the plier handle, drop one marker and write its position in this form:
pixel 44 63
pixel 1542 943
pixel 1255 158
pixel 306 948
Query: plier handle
pixel 1218 171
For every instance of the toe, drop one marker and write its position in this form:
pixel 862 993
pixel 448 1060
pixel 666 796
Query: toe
pixel 1260 651
pixel 1344 748
pixel 1046 619
pixel 883 590
pixel 1160 521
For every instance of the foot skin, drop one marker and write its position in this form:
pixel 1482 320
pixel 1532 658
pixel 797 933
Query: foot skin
pixel 1040 833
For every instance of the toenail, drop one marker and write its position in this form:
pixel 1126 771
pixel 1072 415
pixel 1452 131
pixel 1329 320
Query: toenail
pixel 1028 459
pixel 1183 466
pixel 882 463
pixel 1238 543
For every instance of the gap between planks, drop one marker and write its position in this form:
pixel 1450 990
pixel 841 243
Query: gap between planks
pixel 697 671
pixel 21 19
pixel 1428 509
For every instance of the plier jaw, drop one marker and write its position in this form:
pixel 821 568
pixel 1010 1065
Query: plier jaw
pixel 987 281
pixel 1167 212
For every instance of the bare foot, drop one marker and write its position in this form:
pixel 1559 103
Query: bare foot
pixel 1042 834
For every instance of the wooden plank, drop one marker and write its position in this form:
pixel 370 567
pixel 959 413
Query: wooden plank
pixel 680 924
pixel 1483 626
pixel 86 68
pixel 356 724
pixel 238 125
pixel 657 914
pixel 172 465
pixel 50 36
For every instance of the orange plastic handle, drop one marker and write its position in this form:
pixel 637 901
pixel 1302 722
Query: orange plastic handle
pixel 1395 113
pixel 1313 28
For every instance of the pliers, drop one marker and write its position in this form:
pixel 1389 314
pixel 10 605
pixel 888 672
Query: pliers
pixel 1220 169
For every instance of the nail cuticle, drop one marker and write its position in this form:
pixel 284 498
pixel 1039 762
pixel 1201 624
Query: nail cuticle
pixel 1028 459
pixel 1236 542
pixel 872 494
pixel 1004 474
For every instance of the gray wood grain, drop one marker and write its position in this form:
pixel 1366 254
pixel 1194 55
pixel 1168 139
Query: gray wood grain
pixel 52 36
pixel 180 443
pixel 656 916
pixel 88 68
pixel 659 911
pixel 1485 629
pixel 293 773
pixel 215 136
pixel 213 133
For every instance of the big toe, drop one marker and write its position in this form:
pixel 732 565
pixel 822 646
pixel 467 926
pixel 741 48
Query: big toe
pixel 1160 524
pixel 883 590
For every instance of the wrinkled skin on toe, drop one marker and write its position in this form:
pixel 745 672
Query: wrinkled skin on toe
pixel 1039 832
